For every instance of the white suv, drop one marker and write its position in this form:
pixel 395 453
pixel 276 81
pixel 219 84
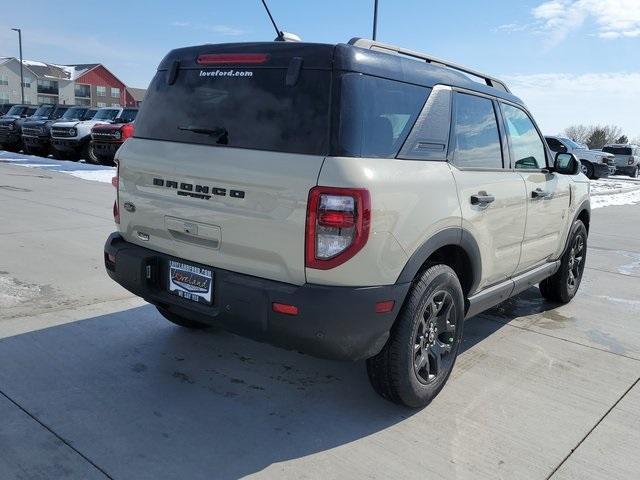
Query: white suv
pixel 351 201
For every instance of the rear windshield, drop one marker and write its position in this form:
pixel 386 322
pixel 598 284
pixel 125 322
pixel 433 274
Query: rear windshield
pixel 244 108
pixel 617 150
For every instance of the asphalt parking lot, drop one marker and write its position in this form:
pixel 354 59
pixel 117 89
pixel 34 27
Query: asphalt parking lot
pixel 94 383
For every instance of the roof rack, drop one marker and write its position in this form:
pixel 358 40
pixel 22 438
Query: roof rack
pixel 384 47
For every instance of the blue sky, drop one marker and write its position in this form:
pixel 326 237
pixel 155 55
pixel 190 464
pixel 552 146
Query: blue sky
pixel 572 61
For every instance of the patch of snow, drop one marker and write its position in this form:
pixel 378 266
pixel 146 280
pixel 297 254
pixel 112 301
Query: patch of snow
pixel 616 199
pixel 14 292
pixel 104 176
pixel 34 63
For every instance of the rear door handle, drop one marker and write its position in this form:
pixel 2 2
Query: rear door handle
pixel 539 193
pixel 482 198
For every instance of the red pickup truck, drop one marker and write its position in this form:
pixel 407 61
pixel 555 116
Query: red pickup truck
pixel 107 138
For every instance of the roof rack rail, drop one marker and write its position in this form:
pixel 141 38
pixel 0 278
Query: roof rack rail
pixel 384 47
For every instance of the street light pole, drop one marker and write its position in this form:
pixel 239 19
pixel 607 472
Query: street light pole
pixel 375 18
pixel 21 75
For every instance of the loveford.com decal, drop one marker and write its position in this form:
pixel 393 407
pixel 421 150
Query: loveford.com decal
pixel 226 73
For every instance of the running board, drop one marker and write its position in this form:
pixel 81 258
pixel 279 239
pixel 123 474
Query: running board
pixel 497 294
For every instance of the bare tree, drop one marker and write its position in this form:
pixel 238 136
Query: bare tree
pixel 612 133
pixel 595 136
pixel 623 139
pixel 578 133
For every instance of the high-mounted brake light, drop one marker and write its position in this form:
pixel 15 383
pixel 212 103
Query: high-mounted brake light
pixel 338 222
pixel 284 308
pixel 231 58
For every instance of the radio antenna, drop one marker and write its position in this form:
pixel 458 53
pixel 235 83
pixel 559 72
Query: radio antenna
pixel 279 33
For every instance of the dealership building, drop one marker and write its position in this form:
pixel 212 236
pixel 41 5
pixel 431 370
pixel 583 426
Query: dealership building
pixel 89 84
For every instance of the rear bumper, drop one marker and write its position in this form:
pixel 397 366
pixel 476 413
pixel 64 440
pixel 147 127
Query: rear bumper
pixel 333 322
pixel 626 170
pixel 67 144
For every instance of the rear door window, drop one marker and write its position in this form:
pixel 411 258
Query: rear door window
pixel 476 138
pixel 244 108
pixel 527 148
pixel 376 115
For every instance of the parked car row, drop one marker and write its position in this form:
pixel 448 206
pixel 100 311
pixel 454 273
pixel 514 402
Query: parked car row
pixel 67 131
pixel 595 164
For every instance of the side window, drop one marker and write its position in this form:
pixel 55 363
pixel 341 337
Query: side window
pixel 526 145
pixel 555 145
pixel 476 140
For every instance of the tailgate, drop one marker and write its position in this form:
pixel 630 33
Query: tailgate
pixel 228 142
pixel 250 220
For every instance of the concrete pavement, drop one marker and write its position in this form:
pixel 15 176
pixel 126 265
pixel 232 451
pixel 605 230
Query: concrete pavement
pixel 95 384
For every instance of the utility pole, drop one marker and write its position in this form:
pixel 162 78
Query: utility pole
pixel 21 75
pixel 375 18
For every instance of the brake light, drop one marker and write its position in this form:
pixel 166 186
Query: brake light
pixel 126 131
pixel 115 181
pixel 284 308
pixel 630 161
pixel 338 223
pixel 231 58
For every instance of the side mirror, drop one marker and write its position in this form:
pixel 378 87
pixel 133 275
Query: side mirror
pixel 566 164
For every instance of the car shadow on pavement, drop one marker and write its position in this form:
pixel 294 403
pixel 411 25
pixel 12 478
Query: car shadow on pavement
pixel 143 398
pixel 527 303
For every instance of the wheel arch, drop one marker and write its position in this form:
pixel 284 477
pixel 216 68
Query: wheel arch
pixel 454 247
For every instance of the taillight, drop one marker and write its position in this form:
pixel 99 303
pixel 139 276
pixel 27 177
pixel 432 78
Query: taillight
pixel 126 131
pixel 338 222
pixel 630 161
pixel 231 58
pixel 115 181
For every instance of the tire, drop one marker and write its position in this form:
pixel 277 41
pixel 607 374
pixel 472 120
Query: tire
pixel 635 172
pixel 88 154
pixel 181 321
pixel 399 372
pixel 563 285
pixel 587 168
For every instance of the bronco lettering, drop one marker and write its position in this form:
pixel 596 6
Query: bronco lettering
pixel 201 191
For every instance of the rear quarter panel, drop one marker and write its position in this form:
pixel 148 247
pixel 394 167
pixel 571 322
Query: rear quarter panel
pixel 411 200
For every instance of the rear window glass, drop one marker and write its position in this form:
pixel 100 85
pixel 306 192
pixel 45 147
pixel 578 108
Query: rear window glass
pixel 244 108
pixel 617 150
pixel 376 115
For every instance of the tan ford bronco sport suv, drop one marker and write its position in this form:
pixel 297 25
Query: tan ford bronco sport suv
pixel 351 201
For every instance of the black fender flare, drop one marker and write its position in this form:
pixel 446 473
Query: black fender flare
pixel 449 236
pixel 585 206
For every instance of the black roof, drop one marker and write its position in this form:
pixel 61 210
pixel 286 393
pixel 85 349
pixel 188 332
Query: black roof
pixel 341 57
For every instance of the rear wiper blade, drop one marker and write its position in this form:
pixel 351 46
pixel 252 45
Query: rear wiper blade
pixel 213 132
